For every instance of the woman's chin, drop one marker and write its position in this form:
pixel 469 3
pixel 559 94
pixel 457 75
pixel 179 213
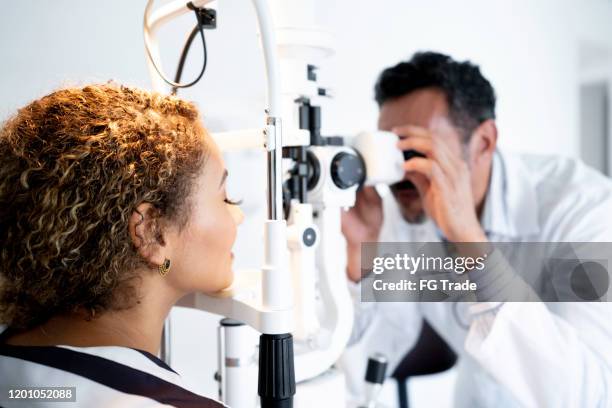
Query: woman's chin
pixel 227 278
pixel 222 278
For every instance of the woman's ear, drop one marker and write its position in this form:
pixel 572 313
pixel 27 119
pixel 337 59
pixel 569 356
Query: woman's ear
pixel 146 233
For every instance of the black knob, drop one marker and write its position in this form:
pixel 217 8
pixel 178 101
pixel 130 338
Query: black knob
pixel 313 170
pixel 309 237
pixel 377 367
pixel 347 170
pixel 276 371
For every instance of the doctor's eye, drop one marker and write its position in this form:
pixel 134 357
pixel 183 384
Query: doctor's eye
pixel 232 202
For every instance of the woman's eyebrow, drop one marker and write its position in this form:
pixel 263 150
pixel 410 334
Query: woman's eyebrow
pixel 223 178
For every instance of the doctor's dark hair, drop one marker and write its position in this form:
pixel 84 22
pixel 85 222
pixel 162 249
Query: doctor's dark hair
pixel 75 165
pixel 470 96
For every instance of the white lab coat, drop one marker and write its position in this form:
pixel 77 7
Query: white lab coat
pixel 510 354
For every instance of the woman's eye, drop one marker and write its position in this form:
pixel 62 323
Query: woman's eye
pixel 232 202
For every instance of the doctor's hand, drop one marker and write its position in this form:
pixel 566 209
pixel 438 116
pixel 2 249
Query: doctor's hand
pixel 443 180
pixel 362 223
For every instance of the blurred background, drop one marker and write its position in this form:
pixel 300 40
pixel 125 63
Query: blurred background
pixel 550 62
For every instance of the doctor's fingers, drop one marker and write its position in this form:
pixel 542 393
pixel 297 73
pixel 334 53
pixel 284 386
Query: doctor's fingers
pixel 433 143
pixel 422 144
pixel 420 165
pixel 431 170
pixel 368 196
pixel 451 162
pixel 434 148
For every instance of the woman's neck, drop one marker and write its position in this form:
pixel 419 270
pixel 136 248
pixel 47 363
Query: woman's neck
pixel 139 327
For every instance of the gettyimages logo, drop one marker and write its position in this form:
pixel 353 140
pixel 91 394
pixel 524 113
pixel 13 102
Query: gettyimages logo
pixel 586 280
pixel 590 281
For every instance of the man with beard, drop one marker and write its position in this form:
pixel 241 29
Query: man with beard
pixel 463 189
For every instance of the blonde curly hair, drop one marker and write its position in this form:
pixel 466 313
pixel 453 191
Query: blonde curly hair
pixel 74 166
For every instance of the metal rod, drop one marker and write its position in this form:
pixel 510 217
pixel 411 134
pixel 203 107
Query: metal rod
pixel 274 168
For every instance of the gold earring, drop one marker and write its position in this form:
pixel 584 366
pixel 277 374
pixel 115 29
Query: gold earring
pixel 165 267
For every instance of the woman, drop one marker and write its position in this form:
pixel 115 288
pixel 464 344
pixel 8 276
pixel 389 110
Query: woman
pixel 112 207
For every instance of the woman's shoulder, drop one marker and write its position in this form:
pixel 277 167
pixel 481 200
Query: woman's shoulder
pixel 98 376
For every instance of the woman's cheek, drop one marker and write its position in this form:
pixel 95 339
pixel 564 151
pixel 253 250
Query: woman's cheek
pixel 223 235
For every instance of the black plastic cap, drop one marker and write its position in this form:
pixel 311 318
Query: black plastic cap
pixel 377 368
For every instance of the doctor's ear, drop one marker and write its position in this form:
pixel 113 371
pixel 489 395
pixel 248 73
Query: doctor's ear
pixel 484 139
pixel 145 228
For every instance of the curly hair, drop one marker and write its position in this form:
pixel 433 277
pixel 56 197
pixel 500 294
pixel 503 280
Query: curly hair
pixel 75 165
pixel 470 96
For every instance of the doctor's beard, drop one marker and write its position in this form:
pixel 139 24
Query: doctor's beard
pixel 409 202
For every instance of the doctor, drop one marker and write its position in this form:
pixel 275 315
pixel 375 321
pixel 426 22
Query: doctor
pixel 467 190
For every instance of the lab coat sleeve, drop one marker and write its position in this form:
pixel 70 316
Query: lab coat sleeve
pixel 549 354
pixel 547 359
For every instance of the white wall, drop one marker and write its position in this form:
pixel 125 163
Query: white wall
pixel 527 48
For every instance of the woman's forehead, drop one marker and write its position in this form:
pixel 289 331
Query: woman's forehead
pixel 214 167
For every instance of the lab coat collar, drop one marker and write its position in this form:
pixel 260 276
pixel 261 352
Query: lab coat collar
pixel 511 205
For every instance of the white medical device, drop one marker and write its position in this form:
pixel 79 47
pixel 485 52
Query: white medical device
pixel 304 250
